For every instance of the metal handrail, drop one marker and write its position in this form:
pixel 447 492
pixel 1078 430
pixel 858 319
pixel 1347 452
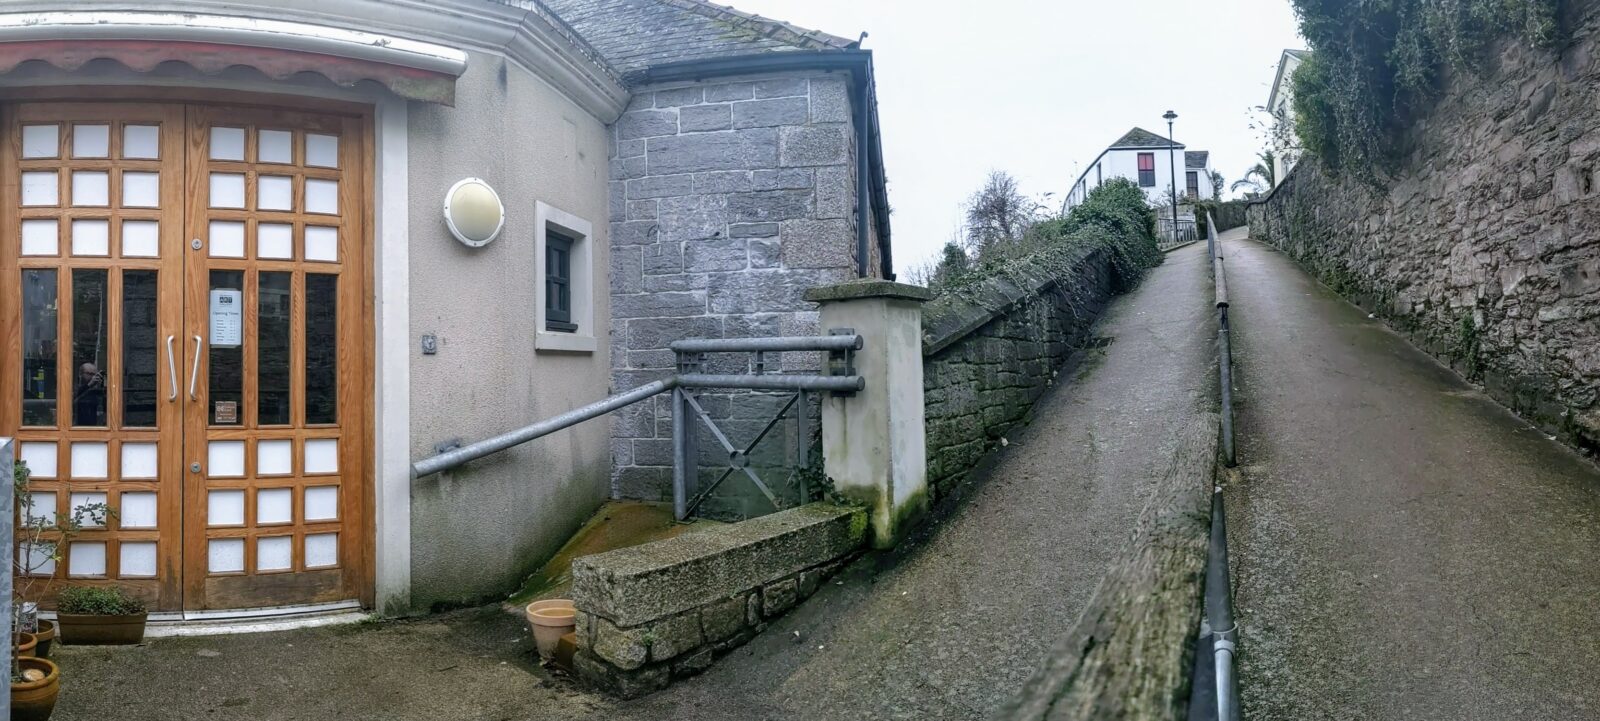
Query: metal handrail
pixel 1219 600
pixel 456 457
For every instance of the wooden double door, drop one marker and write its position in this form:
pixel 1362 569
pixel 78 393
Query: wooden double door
pixel 185 339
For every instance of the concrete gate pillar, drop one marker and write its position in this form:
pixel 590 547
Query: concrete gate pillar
pixel 873 443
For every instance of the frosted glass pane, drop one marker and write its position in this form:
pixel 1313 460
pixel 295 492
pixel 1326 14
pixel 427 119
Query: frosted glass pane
pixel 225 459
pixel 225 555
pixel 227 239
pixel 138 510
pixel 322 151
pixel 141 190
pixel 275 553
pixel 141 141
pixel 89 460
pixel 41 141
pixel 86 558
pixel 91 187
pixel 322 243
pixel 39 561
pixel 138 460
pixel 39 508
pixel 141 238
pixel 275 192
pixel 91 141
pixel 91 237
pixel 227 190
pixel 76 508
pixel 40 188
pixel 41 237
pixel 275 146
pixel 322 550
pixel 322 503
pixel 273 458
pixel 274 240
pixel 322 455
pixel 227 143
pixel 275 505
pixel 322 196
pixel 40 457
pixel 225 508
pixel 138 559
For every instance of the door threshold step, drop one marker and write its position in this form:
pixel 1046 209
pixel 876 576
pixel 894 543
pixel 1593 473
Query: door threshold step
pixel 169 624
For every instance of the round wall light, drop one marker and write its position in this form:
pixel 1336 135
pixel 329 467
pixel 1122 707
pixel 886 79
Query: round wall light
pixel 473 212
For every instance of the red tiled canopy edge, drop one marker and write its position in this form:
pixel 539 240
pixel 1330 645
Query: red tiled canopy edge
pixel 279 50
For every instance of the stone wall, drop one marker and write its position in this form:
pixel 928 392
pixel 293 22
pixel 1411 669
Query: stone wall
pixel 729 199
pixel 1485 245
pixel 651 614
pixel 990 352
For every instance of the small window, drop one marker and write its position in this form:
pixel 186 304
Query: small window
pixel 1147 170
pixel 564 253
pixel 1099 178
pixel 558 283
pixel 1194 184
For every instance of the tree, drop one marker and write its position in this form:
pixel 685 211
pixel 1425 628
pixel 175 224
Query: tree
pixel 1216 185
pixel 998 212
pixel 1262 176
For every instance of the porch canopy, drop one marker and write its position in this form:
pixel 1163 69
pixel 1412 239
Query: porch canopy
pixel 213 43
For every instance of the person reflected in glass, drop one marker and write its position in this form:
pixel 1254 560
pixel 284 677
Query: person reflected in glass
pixel 89 397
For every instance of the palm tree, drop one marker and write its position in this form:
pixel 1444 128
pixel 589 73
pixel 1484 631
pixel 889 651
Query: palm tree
pixel 1260 177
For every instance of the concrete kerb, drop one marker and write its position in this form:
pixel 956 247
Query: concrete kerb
pixel 653 613
pixel 1129 655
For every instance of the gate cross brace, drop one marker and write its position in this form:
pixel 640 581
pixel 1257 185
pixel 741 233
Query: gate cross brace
pixel 735 456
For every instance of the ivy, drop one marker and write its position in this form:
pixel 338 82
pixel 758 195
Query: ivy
pixel 1376 66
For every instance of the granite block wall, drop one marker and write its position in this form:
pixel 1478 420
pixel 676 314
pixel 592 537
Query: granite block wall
pixel 1484 245
pixel 729 199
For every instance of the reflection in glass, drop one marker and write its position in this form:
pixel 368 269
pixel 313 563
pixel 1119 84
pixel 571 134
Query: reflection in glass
pixel 39 314
pixel 272 350
pixel 140 361
pixel 322 348
pixel 225 377
pixel 89 347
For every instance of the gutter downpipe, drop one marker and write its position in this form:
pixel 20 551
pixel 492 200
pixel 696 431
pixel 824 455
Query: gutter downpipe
pixel 871 184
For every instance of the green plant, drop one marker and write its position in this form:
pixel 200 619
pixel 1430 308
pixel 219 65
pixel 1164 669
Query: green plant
pixel 41 537
pixel 1376 67
pixel 1262 176
pixel 98 601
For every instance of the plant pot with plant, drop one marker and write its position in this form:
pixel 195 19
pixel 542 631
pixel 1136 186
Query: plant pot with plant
pixel 35 683
pixel 99 615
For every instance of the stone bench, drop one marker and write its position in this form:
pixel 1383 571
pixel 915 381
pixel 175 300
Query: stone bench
pixel 664 610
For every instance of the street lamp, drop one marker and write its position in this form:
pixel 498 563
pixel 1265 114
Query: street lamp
pixel 1172 165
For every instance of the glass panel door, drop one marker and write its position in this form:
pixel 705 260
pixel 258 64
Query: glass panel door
pixel 274 320
pixel 91 294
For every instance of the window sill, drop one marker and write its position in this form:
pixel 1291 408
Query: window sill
pixel 564 342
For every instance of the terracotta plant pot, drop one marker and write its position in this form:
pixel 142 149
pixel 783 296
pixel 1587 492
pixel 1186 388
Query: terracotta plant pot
pixel 34 700
pixel 24 644
pixel 91 630
pixel 549 625
pixel 46 634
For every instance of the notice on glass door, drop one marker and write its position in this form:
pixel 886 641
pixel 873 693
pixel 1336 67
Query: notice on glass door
pixel 227 317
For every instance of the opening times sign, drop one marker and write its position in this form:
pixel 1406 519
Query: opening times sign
pixel 227 317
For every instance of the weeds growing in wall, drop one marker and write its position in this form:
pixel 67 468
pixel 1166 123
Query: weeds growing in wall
pixel 1376 66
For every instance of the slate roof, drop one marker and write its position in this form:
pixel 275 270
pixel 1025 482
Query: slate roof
pixel 1143 138
pixel 633 35
pixel 1196 158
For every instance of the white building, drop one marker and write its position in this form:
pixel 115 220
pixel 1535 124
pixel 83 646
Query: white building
pixel 1280 103
pixel 1147 159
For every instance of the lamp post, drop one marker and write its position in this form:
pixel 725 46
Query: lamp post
pixel 1172 165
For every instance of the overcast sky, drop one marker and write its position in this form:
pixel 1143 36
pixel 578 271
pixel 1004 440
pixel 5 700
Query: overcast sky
pixel 1039 87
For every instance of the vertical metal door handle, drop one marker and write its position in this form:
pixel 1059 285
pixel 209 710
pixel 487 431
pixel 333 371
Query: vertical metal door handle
pixel 194 371
pixel 172 369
